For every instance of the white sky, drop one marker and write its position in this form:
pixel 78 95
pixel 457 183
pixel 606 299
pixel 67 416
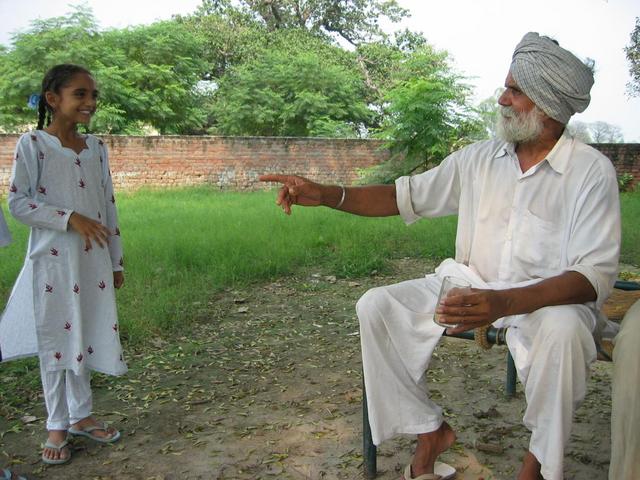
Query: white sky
pixel 480 35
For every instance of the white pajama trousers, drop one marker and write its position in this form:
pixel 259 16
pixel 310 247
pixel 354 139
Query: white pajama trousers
pixel 552 348
pixel 625 408
pixel 67 397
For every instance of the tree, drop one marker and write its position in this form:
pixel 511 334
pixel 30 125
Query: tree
pixel 603 132
pixel 487 111
pixel 633 55
pixel 355 21
pixel 426 115
pixel 147 75
pixel 289 95
pixel 580 130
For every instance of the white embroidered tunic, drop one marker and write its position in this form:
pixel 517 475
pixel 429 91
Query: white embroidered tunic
pixel 62 306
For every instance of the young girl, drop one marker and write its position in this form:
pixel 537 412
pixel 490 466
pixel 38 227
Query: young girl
pixel 62 306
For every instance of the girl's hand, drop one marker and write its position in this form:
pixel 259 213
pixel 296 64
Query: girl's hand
pixel 118 279
pixel 89 230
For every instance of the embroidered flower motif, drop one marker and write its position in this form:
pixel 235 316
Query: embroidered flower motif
pixel 78 162
pixel 14 189
pixel 101 285
pixel 90 350
pixel 76 288
pixel 33 206
pixel 67 326
pixel 79 357
pixel 57 355
pixel 42 190
pixel 48 288
pixel 54 252
pixel 41 155
pixel 62 213
pixel 81 183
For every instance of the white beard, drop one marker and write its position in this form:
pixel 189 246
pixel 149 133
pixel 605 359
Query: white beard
pixel 517 127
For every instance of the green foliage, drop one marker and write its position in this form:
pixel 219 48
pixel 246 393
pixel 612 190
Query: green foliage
pixel 290 95
pixel 147 75
pixel 426 116
pixel 353 20
pixel 633 55
pixel 625 181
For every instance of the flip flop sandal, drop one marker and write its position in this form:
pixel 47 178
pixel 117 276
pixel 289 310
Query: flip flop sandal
pixel 57 448
pixel 7 475
pixel 441 471
pixel 86 432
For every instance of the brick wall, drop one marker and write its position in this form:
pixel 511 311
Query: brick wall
pixel 236 162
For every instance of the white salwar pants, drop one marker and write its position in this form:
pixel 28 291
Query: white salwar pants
pixel 552 348
pixel 67 397
pixel 625 408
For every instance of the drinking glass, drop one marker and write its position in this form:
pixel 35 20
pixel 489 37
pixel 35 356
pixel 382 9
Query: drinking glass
pixel 451 286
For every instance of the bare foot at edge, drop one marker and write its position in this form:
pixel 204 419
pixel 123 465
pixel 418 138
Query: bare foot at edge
pixel 430 446
pixel 530 469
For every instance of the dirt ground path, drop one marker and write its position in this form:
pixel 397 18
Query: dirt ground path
pixel 267 385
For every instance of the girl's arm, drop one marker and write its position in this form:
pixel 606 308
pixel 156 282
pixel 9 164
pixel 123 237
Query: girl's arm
pixel 24 203
pixel 111 220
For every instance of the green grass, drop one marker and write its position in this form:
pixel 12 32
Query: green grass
pixel 630 208
pixel 182 246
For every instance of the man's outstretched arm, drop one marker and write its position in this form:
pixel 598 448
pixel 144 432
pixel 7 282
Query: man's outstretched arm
pixel 369 201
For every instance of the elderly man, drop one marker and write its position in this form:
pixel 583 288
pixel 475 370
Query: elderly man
pixel 538 239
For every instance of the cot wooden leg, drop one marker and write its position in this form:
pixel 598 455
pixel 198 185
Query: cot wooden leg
pixel 511 376
pixel 368 448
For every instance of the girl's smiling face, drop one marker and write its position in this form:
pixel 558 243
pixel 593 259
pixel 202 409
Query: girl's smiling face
pixel 76 101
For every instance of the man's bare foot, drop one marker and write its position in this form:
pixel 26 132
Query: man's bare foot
pixel 430 445
pixel 530 469
pixel 56 437
pixel 100 432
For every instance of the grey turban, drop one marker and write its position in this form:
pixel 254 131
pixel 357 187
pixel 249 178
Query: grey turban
pixel 552 77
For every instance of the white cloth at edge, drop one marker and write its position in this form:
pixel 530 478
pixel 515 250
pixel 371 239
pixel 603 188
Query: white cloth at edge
pixel 5 235
pixel 398 337
pixel 625 405
pixel 63 303
pixel 67 396
pixel 561 215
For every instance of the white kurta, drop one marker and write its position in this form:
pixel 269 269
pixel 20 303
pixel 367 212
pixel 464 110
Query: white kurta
pixel 62 306
pixel 513 228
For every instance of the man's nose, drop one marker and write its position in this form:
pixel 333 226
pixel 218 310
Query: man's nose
pixel 504 99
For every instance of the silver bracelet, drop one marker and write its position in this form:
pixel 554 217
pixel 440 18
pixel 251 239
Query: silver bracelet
pixel 344 194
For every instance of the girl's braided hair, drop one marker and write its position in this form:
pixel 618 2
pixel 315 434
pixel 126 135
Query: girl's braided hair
pixel 56 78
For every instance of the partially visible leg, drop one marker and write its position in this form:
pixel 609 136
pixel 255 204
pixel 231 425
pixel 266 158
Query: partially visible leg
pixel 80 404
pixel 398 337
pixel 625 407
pixel 560 349
pixel 53 386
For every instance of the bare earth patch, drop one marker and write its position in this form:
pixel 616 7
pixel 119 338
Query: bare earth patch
pixel 266 384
